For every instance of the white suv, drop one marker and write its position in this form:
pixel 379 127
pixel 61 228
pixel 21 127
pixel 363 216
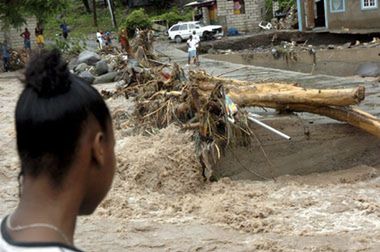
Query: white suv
pixel 183 30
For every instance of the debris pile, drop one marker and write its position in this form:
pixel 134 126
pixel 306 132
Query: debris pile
pixel 290 21
pixel 213 107
pixel 18 59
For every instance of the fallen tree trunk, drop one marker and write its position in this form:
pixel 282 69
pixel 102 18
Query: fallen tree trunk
pixel 245 93
pixel 332 103
pixel 354 117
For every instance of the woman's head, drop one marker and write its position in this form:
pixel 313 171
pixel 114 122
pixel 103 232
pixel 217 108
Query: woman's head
pixel 64 130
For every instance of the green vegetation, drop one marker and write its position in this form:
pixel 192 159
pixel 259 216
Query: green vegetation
pixel 80 21
pixel 136 19
pixel 70 47
pixel 174 16
pixel 13 13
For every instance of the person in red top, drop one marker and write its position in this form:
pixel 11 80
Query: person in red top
pixel 26 36
pixel 123 39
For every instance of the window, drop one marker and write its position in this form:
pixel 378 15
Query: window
pixel 175 28
pixel 369 4
pixel 183 27
pixel 239 7
pixel 192 26
pixel 337 6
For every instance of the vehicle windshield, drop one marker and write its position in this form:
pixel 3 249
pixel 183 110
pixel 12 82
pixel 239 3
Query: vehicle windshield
pixel 200 24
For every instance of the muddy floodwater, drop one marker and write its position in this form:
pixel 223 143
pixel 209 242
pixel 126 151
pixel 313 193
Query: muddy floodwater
pixel 159 200
pixel 315 53
pixel 337 62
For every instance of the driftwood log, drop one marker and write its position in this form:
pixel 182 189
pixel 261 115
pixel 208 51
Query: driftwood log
pixel 271 95
pixel 333 103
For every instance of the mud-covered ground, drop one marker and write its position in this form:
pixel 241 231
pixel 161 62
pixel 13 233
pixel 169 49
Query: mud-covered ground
pixel 160 202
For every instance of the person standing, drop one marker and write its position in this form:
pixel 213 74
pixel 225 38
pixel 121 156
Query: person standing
pixel 197 41
pixel 5 56
pixel 39 32
pixel 100 39
pixel 192 50
pixel 108 38
pixel 123 40
pixel 65 30
pixel 26 36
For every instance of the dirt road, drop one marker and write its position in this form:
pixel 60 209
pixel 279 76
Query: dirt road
pixel 159 201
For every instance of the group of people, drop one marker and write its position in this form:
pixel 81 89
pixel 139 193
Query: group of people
pixel 40 40
pixel 104 39
pixel 5 49
pixel 193 46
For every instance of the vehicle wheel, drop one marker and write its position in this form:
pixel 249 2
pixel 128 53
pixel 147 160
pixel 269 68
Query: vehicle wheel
pixel 178 39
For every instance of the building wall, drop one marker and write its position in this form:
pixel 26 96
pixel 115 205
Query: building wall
pixel 354 18
pixel 247 22
pixel 13 34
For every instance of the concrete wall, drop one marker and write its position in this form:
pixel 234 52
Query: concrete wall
pixel 13 34
pixel 354 18
pixel 248 22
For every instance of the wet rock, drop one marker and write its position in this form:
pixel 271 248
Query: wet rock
pixel 368 69
pixel 347 45
pixel 330 47
pixel 81 68
pixel 120 84
pixel 105 78
pixel 101 67
pixel 87 76
pixel 123 77
pixel 88 57
pixel 72 64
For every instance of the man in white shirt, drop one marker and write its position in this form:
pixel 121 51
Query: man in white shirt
pixel 99 38
pixel 192 49
pixel 197 40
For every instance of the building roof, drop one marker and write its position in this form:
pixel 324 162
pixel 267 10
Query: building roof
pixel 203 3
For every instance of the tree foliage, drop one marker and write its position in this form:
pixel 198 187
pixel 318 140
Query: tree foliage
pixel 174 16
pixel 137 19
pixel 14 12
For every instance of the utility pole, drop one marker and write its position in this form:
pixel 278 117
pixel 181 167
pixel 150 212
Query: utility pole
pixel 110 6
pixel 94 12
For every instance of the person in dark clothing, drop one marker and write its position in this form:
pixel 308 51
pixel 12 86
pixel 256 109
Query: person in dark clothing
pixel 26 36
pixel 5 56
pixel 65 30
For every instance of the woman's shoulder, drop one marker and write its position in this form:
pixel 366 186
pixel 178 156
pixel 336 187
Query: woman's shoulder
pixel 7 244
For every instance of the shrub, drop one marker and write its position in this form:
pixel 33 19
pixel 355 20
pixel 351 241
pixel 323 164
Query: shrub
pixel 173 16
pixel 136 19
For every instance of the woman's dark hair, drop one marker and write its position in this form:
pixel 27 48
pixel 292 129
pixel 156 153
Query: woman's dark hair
pixel 51 113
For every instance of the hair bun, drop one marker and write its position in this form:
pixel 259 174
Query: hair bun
pixel 47 74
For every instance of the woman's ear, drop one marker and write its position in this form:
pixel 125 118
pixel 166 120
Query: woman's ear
pixel 98 149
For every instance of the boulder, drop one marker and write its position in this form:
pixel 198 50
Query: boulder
pixel 81 68
pixel 101 67
pixel 105 78
pixel 368 69
pixel 87 76
pixel 88 57
pixel 72 64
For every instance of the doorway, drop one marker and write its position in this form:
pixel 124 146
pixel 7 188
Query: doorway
pixel 320 17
